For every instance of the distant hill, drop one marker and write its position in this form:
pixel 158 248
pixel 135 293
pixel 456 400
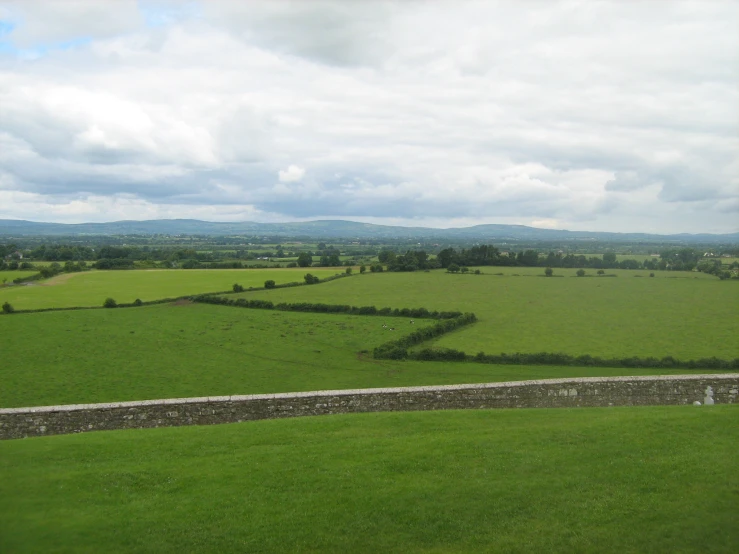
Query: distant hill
pixel 336 229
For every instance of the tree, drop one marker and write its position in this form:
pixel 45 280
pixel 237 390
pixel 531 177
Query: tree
pixel 549 272
pixel 310 279
pixel 7 308
pixel 581 273
pixel 238 288
pixel 609 260
pixel 110 303
pixel 348 270
pixel 362 268
pixel 453 268
pixel 305 259
pixel 269 284
pixel 601 272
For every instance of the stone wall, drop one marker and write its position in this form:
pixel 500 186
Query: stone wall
pixel 550 393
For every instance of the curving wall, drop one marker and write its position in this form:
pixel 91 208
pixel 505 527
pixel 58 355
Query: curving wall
pixel 550 393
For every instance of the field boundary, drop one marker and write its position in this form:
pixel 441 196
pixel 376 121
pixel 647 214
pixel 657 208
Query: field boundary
pixel 549 393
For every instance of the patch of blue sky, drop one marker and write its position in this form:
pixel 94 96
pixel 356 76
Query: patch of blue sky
pixel 41 49
pixel 160 14
pixel 8 46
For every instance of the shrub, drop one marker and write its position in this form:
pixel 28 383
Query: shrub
pixel 310 279
pixel 580 273
pixel 109 303
pixel 549 272
pixel 137 302
pixel 348 270
pixel 269 284
pixel 7 308
pixel 477 272
pixel 362 268
pixel 292 264
pixel 651 274
pixel 238 288
pixel 601 272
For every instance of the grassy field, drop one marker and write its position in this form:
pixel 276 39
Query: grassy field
pixel 7 277
pixel 174 351
pixel 660 479
pixel 676 314
pixel 91 288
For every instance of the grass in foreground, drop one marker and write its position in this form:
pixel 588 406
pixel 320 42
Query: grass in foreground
pixel 174 351
pixel 91 288
pixel 601 316
pixel 659 479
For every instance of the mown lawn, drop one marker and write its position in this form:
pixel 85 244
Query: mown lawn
pixel 174 351
pixel 91 288
pixel 674 315
pixel 660 479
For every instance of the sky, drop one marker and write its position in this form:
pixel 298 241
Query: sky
pixel 581 115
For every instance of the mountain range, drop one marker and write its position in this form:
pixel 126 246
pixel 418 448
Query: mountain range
pixel 338 229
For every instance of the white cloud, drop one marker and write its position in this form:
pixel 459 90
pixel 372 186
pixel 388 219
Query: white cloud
pixel 292 174
pixel 604 116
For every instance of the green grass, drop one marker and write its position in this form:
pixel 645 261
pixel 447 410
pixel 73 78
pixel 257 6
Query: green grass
pixel 10 276
pixel 170 351
pixel 91 288
pixel 659 479
pixel 601 316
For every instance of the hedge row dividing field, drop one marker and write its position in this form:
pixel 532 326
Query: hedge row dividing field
pixel 611 318
pixel 91 288
pixel 190 349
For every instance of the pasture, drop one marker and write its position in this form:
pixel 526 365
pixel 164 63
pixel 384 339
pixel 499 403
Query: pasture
pixel 91 288
pixel 185 350
pixel 656 479
pixel 7 277
pixel 673 315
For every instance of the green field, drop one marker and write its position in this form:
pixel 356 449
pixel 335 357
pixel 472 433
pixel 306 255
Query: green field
pixel 675 315
pixel 91 288
pixel 658 479
pixel 7 277
pixel 175 351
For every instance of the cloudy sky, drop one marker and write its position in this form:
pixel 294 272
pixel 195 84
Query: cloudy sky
pixel 607 116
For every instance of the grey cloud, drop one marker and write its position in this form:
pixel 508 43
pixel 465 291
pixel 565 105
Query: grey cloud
pixel 478 110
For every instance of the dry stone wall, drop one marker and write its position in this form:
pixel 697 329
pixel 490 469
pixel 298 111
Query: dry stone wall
pixel 550 393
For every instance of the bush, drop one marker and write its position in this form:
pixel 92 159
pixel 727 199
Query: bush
pixel 292 264
pixel 238 288
pixel 109 303
pixel 362 268
pixel 601 272
pixel 348 271
pixel 651 274
pixel 549 272
pixel 310 279
pixel 7 308
pixel 269 284
pixel 137 302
